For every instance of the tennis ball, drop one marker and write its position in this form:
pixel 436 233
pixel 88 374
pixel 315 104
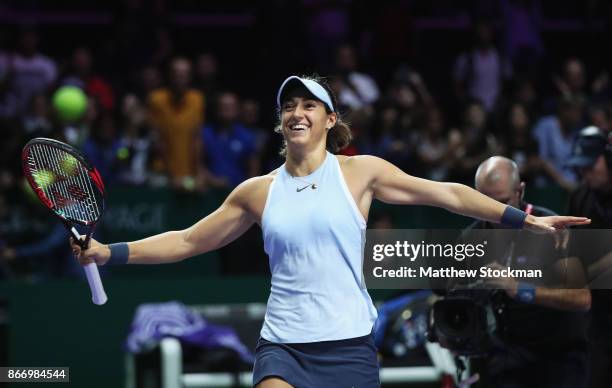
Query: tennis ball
pixel 69 165
pixel 123 153
pixel 189 183
pixel 43 178
pixel 70 103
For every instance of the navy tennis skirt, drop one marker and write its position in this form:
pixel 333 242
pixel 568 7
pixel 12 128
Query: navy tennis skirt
pixel 350 363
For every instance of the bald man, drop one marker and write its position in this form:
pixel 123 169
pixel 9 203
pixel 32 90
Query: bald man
pixel 543 328
pixel 498 178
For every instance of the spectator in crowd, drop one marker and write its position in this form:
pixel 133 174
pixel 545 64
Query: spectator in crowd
pixel 521 90
pixel 555 135
pixel 206 77
pixel 82 75
pixel 33 72
pixel 385 138
pixel 573 81
pixel 150 79
pixel 475 142
pixel 480 72
pixel 230 148
pixel 176 114
pixel 409 107
pixel 249 117
pixel 524 92
pixel 37 121
pixel 358 90
pixel 359 118
pixel 135 142
pixel 434 150
pixel 592 157
pixel 411 98
pixel 102 147
pixel 406 75
pixel 518 143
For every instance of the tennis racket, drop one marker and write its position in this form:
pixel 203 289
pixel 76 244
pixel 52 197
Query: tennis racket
pixel 72 189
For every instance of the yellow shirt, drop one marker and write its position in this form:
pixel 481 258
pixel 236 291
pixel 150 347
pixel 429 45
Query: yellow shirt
pixel 179 126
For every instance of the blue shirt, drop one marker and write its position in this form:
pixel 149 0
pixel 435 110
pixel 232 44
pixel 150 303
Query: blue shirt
pixel 314 238
pixel 227 152
pixel 555 147
pixel 103 158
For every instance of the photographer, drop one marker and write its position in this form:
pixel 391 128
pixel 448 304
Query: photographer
pixel 542 330
pixel 592 158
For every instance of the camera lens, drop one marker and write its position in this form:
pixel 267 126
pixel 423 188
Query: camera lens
pixel 457 318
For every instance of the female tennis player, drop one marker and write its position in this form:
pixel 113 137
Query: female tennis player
pixel 313 209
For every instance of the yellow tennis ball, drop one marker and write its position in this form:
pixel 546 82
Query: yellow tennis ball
pixel 188 183
pixel 69 165
pixel 43 178
pixel 70 102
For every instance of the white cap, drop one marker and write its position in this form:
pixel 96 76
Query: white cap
pixel 313 87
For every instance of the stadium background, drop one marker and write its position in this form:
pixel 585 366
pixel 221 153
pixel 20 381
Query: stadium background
pixel 552 55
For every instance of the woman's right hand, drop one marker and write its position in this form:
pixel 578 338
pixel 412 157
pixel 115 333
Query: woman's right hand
pixel 95 253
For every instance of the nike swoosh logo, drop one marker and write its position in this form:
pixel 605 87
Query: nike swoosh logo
pixel 303 188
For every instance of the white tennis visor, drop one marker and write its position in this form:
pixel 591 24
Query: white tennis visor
pixel 313 87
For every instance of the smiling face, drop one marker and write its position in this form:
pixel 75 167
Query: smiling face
pixel 304 120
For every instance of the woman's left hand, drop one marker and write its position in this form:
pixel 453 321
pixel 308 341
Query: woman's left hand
pixel 551 224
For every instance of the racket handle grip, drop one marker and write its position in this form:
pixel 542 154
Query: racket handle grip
pixel 98 295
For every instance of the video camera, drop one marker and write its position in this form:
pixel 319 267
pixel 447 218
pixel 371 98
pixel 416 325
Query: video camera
pixel 467 321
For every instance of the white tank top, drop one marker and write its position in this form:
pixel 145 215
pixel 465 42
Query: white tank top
pixel 314 239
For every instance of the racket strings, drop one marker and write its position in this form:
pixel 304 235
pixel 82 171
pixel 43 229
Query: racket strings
pixel 72 206
pixel 71 192
pixel 76 179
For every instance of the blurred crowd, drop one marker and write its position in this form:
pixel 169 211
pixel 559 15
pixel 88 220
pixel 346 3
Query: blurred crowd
pixel 161 116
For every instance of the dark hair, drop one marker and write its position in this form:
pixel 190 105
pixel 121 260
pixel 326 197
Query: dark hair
pixel 339 136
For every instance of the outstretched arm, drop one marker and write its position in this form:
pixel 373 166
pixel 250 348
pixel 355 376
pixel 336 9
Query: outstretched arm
pixel 391 185
pixel 570 294
pixel 214 231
